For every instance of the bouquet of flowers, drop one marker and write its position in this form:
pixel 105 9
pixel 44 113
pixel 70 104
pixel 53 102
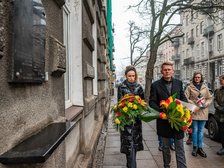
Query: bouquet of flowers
pixel 178 116
pixel 129 108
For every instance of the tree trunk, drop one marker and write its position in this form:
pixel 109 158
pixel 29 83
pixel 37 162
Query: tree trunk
pixel 149 73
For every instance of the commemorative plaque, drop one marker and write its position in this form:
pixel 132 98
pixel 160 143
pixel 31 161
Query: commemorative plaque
pixel 28 41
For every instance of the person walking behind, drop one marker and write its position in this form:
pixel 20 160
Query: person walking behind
pixel 219 110
pixel 131 136
pixel 161 90
pixel 198 94
pixel 189 140
pixel 171 142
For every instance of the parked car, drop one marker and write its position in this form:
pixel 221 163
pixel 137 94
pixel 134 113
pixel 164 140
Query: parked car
pixel 213 124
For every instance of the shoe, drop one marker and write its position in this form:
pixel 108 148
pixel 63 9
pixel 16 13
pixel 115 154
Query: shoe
pixel 189 141
pixel 194 152
pixel 201 153
pixel 221 152
pixel 172 147
pixel 160 148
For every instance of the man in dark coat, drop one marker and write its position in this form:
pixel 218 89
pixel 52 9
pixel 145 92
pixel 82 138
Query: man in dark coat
pixel 161 90
pixel 219 110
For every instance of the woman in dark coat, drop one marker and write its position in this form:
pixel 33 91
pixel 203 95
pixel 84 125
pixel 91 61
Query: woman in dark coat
pixel 131 136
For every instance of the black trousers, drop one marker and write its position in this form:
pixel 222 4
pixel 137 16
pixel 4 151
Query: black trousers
pixel 131 158
pixel 222 133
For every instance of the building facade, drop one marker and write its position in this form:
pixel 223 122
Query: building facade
pixel 200 49
pixel 56 78
pixel 202 46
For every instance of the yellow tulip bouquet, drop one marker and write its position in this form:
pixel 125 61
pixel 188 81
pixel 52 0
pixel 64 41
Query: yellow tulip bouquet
pixel 177 115
pixel 132 107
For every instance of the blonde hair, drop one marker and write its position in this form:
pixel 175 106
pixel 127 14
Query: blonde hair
pixel 166 63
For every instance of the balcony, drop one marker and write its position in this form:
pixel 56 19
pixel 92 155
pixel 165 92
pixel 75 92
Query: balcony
pixel 208 31
pixel 190 40
pixel 176 57
pixel 176 43
pixel 207 7
pixel 189 60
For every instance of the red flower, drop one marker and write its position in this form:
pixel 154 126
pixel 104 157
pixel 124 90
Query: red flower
pixel 167 101
pixel 118 114
pixel 190 131
pixel 190 120
pixel 182 118
pixel 131 99
pixel 184 128
pixel 120 106
pixel 177 101
pixel 162 115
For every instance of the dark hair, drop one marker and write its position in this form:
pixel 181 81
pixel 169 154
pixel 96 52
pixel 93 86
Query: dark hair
pixel 166 63
pixel 196 73
pixel 221 77
pixel 131 68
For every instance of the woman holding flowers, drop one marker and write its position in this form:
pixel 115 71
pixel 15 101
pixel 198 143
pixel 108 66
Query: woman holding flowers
pixel 131 135
pixel 198 94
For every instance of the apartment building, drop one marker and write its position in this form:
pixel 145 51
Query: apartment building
pixel 200 49
pixel 202 46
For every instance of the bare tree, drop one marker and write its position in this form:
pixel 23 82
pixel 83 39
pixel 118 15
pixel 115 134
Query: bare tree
pixel 138 40
pixel 159 14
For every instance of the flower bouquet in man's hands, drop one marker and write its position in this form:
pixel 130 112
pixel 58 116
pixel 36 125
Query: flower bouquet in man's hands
pixel 129 109
pixel 177 115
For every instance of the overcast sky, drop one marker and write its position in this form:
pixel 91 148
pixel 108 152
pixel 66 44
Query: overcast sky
pixel 121 16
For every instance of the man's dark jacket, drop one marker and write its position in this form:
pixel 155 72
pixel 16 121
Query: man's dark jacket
pixel 159 92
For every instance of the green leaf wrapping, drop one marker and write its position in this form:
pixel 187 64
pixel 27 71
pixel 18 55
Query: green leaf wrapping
pixel 149 115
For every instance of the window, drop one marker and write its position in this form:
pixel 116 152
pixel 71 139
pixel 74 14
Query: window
pixel 219 42
pixel 210 47
pixel 187 20
pixel 192 33
pixel 187 36
pixel 66 43
pixel 197 51
pixel 201 27
pixel 202 49
pixel 187 53
pixel 219 68
pixel 183 52
pixel 197 30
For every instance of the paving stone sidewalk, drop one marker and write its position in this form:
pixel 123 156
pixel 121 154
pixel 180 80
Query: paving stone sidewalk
pixel 151 157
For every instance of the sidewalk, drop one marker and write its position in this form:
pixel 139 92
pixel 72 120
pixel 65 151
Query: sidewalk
pixel 151 157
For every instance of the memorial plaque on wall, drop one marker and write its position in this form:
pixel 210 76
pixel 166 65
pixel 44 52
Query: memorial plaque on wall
pixel 28 46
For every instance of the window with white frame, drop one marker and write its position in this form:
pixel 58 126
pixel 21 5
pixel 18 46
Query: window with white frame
pixel 66 43
pixel 219 42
